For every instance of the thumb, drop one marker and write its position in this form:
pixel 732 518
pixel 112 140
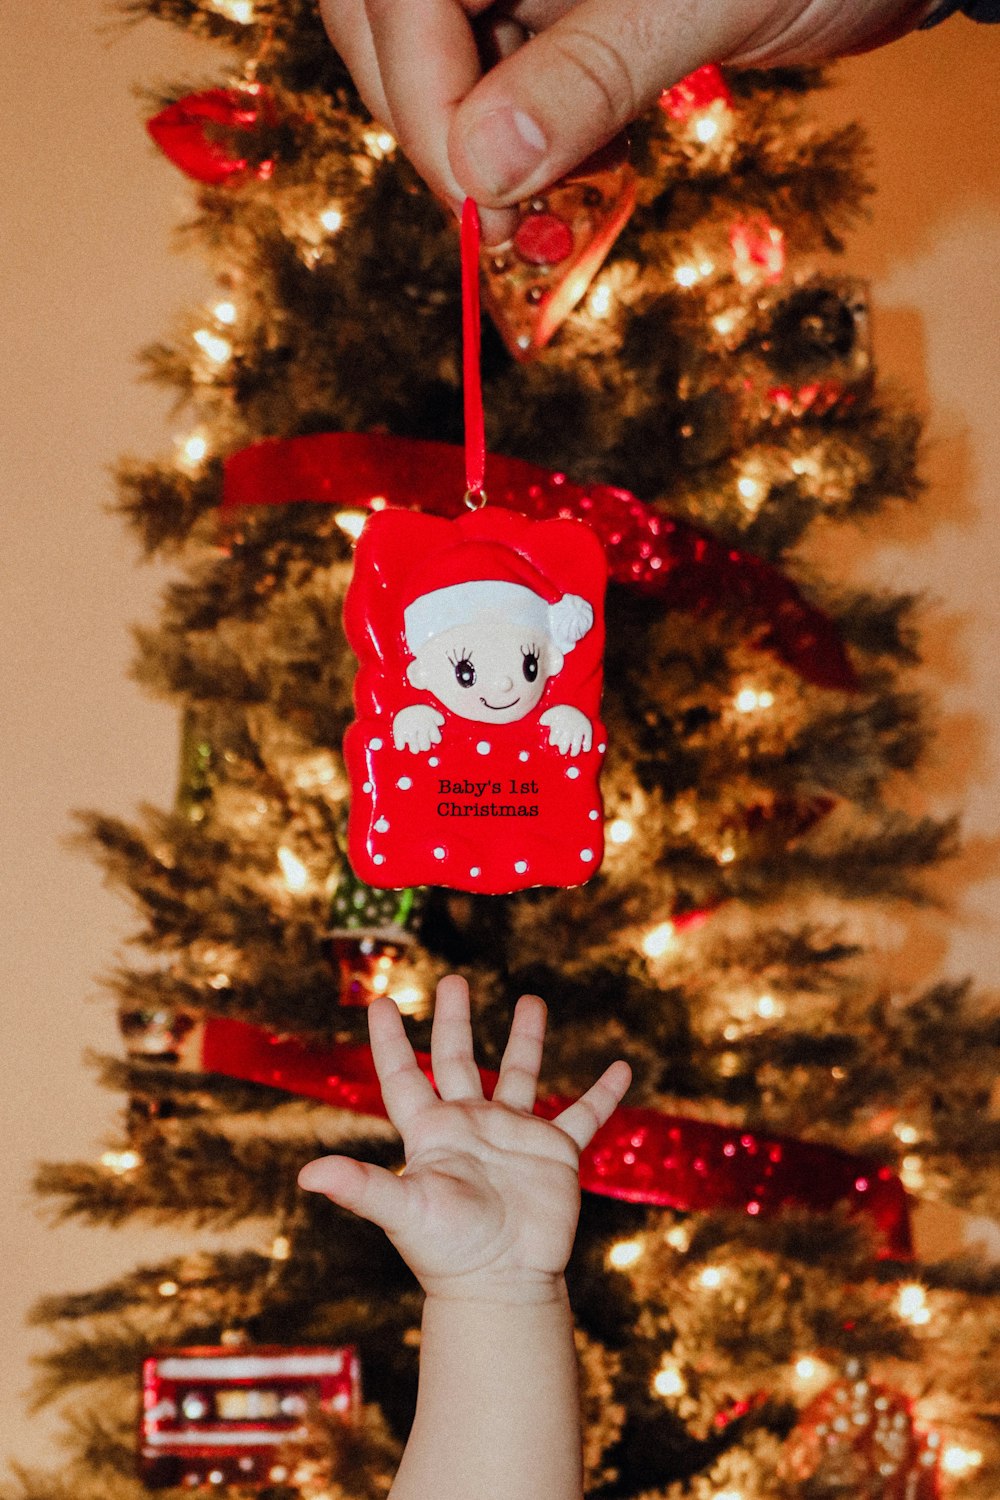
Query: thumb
pixel 373 1192
pixel 571 88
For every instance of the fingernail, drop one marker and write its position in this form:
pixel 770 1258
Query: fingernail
pixel 504 147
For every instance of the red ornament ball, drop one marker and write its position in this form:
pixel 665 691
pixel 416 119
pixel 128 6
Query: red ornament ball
pixel 859 1439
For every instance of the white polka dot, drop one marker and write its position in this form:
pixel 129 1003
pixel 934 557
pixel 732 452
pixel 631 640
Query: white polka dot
pixel 520 866
pixel 374 744
pixel 439 852
pixel 432 760
pixel 483 747
pixel 367 787
pixel 475 870
pixel 523 755
pixel 382 826
pixel 404 783
pixel 379 859
pixel 593 815
pixel 586 854
pixel 602 748
pixel 573 772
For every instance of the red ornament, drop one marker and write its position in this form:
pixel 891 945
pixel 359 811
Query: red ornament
pixel 758 248
pixel 639 1156
pixel 215 1416
pixel 532 285
pixel 699 90
pixel 653 553
pixel 475 757
pixel 365 963
pixel 201 133
pixel 859 1439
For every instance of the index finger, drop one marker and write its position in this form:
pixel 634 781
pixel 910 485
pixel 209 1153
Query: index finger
pixel 428 61
pixel 406 1092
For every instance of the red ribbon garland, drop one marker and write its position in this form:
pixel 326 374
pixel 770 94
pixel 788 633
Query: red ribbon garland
pixel 639 1156
pixel 652 553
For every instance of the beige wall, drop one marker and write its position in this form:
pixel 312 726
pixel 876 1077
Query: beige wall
pixel 86 215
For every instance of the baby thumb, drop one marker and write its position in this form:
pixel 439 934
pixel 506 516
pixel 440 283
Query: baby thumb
pixel 372 1192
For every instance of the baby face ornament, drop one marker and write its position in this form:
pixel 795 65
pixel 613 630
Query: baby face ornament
pixel 475 757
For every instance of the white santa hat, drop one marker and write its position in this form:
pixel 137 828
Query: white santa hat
pixel 476 576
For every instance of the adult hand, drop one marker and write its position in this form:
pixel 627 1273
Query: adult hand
pixel 498 100
pixel 487 1207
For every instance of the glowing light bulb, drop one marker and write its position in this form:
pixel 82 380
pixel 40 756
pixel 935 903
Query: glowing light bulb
pixel 351 522
pixel 726 855
pixel 331 219
pixel 281 1247
pixel 621 831
pixel 908 1134
pixel 710 1278
pixel 192 450
pixel 706 267
pixel 295 873
pixel 240 11
pixel 379 142
pixel 706 129
pixel 120 1162
pixel 686 275
pixel 748 699
pixel 599 302
pixel 911 1171
pixel 724 323
pixel 214 345
pixel 768 1006
pixel 380 983
pixel 806 1368
pixel 960 1461
pixel 660 941
pixel 749 488
pixel 669 1381
pixel 168 1289
pixel 225 312
pixel 678 1238
pixel 624 1254
pixel 408 999
pixel 911 1303
pixel 728 1495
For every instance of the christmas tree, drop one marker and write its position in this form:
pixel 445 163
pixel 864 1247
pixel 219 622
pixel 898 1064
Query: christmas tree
pixel 751 1318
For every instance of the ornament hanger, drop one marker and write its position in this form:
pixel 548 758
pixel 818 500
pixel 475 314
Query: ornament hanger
pixel 475 437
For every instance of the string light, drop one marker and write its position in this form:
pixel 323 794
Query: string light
pixel 768 1007
pixel 191 451
pixel 214 345
pixel 660 940
pixel 120 1162
pixel 693 271
pixel 225 312
pixel 240 11
pixel 409 999
pixel 911 1303
pixel 705 129
pixel 351 522
pixel 724 323
pixel 281 1247
pixel 331 219
pixel 749 488
pixel 728 1495
pixel 624 1254
pixel 806 1368
pixel 295 873
pixel 749 699
pixel 599 302
pixel 960 1461
pixel 710 1278
pixel 668 1381
pixel 678 1238
pixel 911 1171
pixel 908 1134
pixel 726 855
pixel 379 142
pixel 168 1289
pixel 620 831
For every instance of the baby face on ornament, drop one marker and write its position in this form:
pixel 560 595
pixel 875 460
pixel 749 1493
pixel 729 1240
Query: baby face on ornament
pixel 486 650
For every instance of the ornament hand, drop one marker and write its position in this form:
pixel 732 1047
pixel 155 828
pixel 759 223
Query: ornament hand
pixel 487 1206
pixel 498 108
pixel 417 728
pixel 569 730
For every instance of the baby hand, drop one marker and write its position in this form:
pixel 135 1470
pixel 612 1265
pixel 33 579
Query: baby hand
pixel 487 1206
pixel 417 727
pixel 569 730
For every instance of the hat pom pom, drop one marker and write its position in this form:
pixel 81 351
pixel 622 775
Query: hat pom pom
pixel 569 620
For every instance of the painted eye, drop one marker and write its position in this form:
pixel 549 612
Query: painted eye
pixel 529 665
pixel 465 672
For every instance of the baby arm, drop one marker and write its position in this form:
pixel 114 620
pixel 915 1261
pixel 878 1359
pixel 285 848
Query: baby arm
pixel 485 1215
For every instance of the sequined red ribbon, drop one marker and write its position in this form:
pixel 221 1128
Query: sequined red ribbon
pixel 652 553
pixel 639 1156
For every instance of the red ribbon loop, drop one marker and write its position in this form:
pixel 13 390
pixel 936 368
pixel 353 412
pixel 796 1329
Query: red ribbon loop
pixel 475 436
